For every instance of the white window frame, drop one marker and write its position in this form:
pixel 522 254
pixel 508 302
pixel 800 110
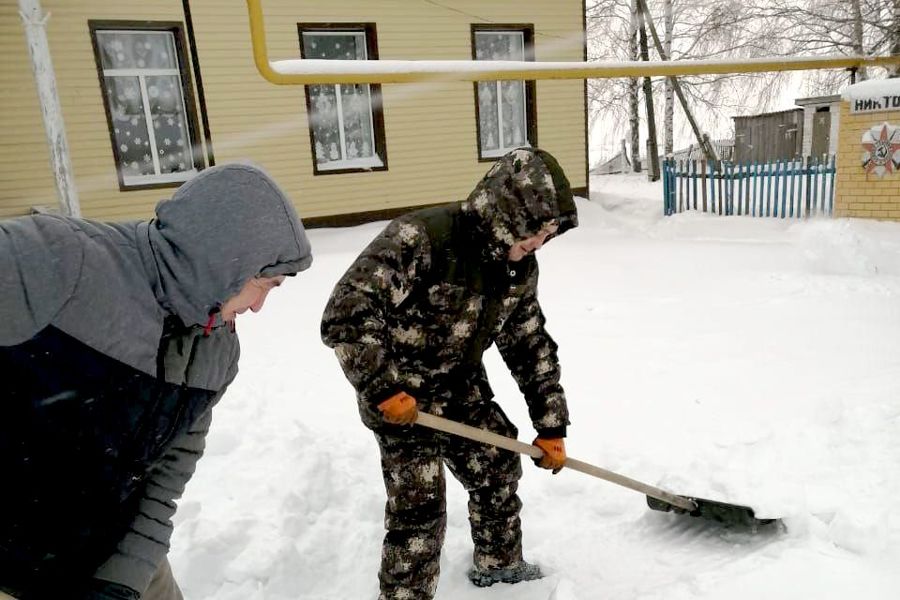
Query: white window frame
pixel 369 162
pixel 502 147
pixel 141 74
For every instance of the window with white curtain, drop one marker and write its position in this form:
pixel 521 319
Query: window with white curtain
pixel 346 131
pixel 504 119
pixel 150 125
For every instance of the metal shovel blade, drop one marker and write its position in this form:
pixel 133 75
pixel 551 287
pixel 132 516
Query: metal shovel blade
pixel 730 515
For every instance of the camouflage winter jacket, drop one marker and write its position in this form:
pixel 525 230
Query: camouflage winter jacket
pixel 421 304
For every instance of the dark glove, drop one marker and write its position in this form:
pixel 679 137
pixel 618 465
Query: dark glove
pixel 554 453
pixel 100 589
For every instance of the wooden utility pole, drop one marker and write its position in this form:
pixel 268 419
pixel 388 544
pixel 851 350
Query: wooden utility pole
pixel 652 149
pixel 45 79
pixel 707 148
pixel 669 110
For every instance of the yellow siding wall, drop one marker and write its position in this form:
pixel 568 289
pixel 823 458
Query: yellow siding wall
pixel 430 129
pixel 856 193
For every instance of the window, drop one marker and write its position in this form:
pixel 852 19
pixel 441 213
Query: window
pixel 148 102
pixel 504 109
pixel 346 125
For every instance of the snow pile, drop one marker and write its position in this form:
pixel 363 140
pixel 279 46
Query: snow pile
pixel 746 360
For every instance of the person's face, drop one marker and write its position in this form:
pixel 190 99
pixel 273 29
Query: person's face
pixel 522 248
pixel 252 296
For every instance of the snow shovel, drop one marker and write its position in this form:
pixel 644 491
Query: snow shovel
pixel 721 512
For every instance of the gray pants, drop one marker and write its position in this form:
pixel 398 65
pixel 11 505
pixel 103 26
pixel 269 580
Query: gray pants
pixel 162 586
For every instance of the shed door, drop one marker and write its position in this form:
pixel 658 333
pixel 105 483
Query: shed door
pixel 821 131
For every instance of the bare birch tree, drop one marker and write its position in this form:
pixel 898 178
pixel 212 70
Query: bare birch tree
pixel 849 27
pixel 698 29
pixel 608 31
pixel 633 87
pixel 669 114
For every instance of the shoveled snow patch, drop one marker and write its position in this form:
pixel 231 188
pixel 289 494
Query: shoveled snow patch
pixel 746 360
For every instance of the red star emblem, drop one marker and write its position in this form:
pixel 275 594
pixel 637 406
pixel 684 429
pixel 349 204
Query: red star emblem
pixel 881 150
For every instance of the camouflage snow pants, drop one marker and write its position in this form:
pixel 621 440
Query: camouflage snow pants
pixel 412 460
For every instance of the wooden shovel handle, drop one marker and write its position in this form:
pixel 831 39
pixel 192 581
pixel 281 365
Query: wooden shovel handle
pixel 514 445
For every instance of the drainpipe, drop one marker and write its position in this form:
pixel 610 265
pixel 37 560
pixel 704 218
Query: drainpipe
pixel 45 79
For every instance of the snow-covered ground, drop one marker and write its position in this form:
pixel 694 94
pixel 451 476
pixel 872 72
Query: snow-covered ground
pixel 748 360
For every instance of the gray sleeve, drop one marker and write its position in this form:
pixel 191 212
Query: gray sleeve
pixel 143 547
pixel 40 264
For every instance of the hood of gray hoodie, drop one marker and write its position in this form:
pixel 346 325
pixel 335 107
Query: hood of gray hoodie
pixel 225 226
pixel 112 285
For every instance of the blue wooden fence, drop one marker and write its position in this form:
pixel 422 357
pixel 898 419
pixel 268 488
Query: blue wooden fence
pixel 786 188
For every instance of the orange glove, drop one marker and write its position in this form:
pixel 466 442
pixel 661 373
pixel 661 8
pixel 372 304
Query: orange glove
pixel 399 409
pixel 554 453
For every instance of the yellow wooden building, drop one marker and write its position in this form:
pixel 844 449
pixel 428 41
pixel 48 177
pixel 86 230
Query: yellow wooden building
pixel 152 92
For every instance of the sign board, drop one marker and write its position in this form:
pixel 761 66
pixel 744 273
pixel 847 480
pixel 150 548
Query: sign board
pixel 875 103
pixel 881 146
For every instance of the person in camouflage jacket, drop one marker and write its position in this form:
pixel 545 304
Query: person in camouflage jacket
pixel 409 322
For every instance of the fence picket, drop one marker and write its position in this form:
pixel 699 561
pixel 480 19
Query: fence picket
pixel 694 180
pixel 815 180
pixel 747 189
pixel 808 190
pixel 727 183
pixel 721 180
pixel 754 181
pixel 665 178
pixel 792 176
pixel 776 171
pixel 831 171
pixel 703 182
pixel 783 178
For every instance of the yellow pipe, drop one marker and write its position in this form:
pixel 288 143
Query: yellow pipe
pixel 305 72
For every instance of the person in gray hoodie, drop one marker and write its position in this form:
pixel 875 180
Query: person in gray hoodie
pixel 116 340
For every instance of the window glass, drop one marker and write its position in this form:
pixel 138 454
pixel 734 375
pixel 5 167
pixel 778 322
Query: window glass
pixel 144 85
pixel 501 104
pixel 170 126
pixel 357 111
pixel 499 45
pixel 341 116
pixel 129 125
pixel 335 46
pixel 488 115
pixel 512 97
pixel 137 50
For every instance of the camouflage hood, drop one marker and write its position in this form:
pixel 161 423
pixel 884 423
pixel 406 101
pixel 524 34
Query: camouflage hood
pixel 518 196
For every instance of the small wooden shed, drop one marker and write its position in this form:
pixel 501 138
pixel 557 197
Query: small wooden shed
pixel 769 136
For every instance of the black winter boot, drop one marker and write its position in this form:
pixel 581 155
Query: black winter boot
pixel 514 573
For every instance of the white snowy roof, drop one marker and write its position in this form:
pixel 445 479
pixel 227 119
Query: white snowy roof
pixel 872 87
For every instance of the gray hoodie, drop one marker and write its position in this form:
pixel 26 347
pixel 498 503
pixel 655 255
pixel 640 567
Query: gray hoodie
pixel 113 287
